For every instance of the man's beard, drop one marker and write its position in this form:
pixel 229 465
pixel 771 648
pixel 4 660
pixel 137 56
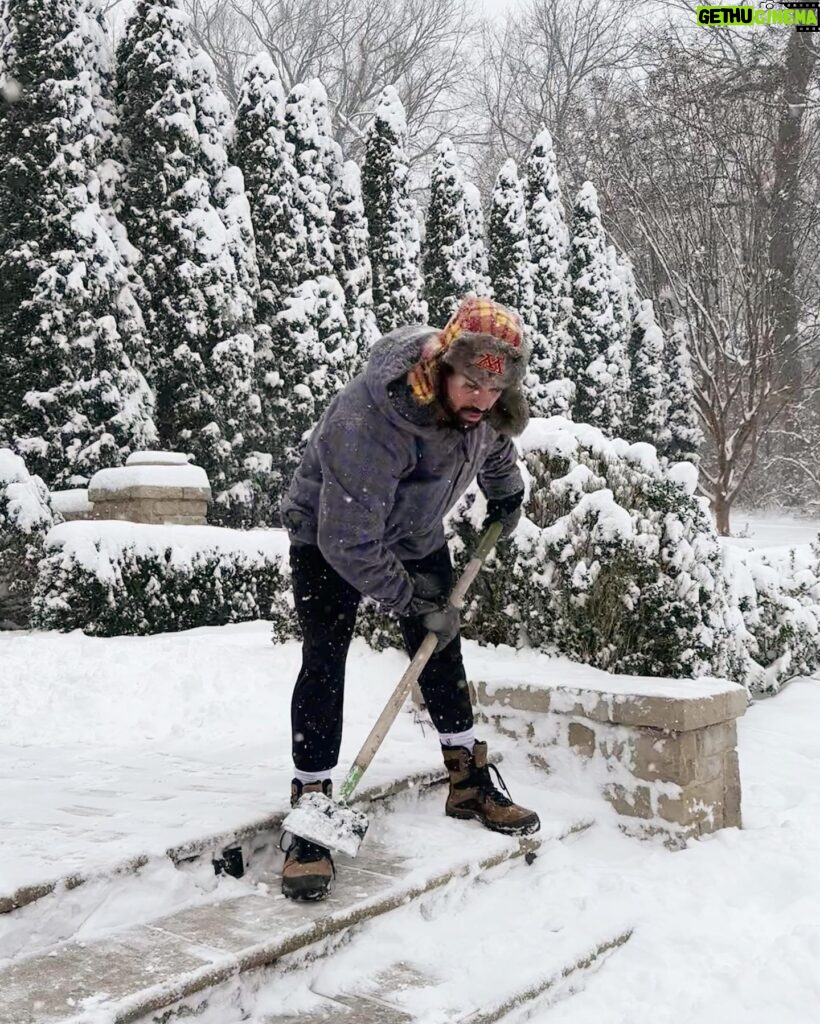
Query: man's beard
pixel 447 416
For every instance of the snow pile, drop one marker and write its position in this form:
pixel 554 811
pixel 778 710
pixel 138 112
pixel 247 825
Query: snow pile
pixel 72 502
pixel 110 578
pixel 157 459
pixel 25 518
pixel 121 478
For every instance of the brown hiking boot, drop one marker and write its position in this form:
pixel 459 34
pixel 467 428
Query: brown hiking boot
pixel 308 871
pixel 474 795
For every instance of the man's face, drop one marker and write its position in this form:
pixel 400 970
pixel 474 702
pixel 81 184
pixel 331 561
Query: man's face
pixel 468 400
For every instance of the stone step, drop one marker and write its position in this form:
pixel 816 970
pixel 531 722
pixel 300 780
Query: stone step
pixel 146 968
pixel 382 1009
pixel 253 838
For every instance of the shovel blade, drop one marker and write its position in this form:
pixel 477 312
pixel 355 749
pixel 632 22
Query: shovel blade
pixel 319 820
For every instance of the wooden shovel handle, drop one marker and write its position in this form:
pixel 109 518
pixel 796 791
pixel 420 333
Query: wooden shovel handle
pixel 414 669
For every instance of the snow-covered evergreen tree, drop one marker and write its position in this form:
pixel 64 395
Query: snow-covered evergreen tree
pixel 392 218
pixel 648 399
pixel 478 272
pixel 185 207
pixel 351 240
pixel 684 435
pixel 549 241
pixel 316 361
pixel 447 244
pixel 213 122
pixel 265 158
pixel 625 304
pixel 317 159
pixel 72 400
pixel 508 248
pixel 26 517
pixel 593 332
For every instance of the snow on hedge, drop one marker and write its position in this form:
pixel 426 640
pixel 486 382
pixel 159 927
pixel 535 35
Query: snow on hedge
pixel 617 564
pixel 109 578
pixel 779 598
pixel 25 517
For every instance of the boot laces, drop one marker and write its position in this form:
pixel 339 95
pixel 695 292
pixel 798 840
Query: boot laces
pixel 488 788
pixel 303 850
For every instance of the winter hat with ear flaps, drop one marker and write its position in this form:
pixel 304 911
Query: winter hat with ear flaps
pixel 484 341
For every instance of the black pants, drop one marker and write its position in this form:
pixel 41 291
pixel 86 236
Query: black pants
pixel 326 607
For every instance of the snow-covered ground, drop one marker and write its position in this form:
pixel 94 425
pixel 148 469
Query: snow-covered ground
pixel 762 531
pixel 110 748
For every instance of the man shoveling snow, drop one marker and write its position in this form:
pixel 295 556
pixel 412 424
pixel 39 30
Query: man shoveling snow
pixel 392 454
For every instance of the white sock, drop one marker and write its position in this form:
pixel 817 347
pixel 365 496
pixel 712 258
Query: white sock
pixel 457 739
pixel 308 778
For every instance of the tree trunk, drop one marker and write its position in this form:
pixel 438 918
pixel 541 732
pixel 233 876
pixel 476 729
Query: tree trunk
pixel 785 304
pixel 721 509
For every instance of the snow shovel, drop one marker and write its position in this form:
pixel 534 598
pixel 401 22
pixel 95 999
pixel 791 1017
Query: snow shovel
pixel 337 826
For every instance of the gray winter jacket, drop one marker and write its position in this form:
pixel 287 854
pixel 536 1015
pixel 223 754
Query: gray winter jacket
pixel 379 474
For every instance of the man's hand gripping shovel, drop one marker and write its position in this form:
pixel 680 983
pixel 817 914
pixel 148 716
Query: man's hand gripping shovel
pixel 338 826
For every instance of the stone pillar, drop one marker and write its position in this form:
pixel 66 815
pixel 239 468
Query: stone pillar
pixel 152 487
pixel 668 758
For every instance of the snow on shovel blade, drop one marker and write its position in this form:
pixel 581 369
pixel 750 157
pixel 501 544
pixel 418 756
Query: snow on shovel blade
pixel 319 820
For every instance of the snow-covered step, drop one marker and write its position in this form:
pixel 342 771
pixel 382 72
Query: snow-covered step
pixel 486 948
pixel 252 838
pixel 149 967
pixel 545 985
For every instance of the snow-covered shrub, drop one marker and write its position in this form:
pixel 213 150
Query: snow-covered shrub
pixel 780 603
pixel 25 518
pixel 491 613
pixel 627 571
pixel 110 578
pixel 616 563
pixel 378 630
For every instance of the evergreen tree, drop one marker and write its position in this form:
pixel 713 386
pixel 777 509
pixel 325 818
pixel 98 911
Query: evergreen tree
pixel 72 401
pixel 184 204
pixel 625 305
pixel 647 390
pixel 350 240
pixel 213 122
pixel 684 434
pixel 316 361
pixel 592 326
pixel 509 250
pixel 260 150
pixel 549 242
pixel 448 247
pixel 391 216
pixel 317 160
pixel 478 276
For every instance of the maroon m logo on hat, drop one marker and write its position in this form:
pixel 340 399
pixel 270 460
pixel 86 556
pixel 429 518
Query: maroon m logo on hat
pixel 493 364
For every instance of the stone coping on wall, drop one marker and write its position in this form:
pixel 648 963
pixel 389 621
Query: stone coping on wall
pixel 150 481
pixel 677 705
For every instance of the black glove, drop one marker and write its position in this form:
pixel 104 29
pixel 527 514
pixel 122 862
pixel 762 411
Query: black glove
pixel 431 602
pixel 443 620
pixel 506 511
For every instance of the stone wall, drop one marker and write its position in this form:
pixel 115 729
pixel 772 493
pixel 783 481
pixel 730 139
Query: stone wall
pixel 153 487
pixel 666 754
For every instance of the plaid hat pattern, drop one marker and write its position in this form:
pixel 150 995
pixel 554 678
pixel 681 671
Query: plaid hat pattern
pixel 483 339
